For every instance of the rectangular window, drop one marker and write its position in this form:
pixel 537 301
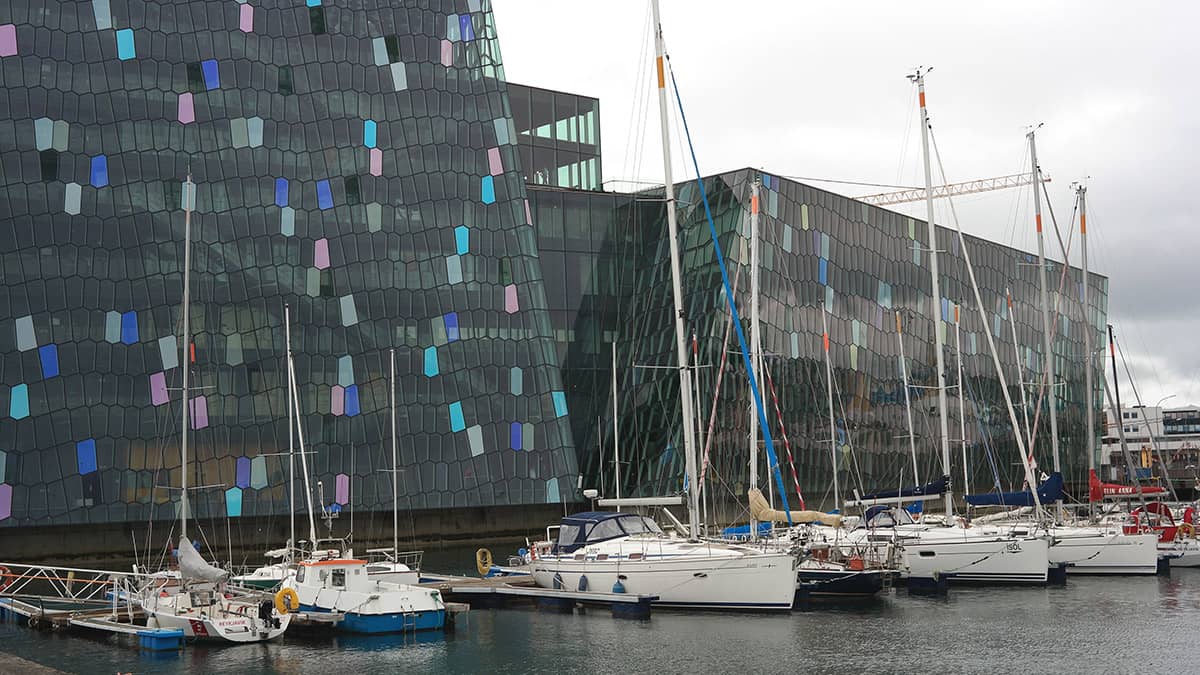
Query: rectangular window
pixel 49 160
pixel 285 80
pixel 195 76
pixel 353 194
pixel 316 20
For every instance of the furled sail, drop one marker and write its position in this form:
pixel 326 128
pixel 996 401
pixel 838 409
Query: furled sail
pixel 193 566
pixel 1051 490
pixel 761 510
pixel 932 489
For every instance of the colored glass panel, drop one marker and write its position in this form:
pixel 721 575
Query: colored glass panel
pixel 99 171
pixel 212 74
pixel 431 362
pixel 18 402
pixel 158 389
pixel 243 472
pixel 342 488
pixel 48 355
pixel 352 407
pixel 233 502
pixel 85 454
pixel 457 423
pixel 125 45
pixel 324 195
pixel 129 327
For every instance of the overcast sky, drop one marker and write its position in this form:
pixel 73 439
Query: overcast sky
pixel 818 90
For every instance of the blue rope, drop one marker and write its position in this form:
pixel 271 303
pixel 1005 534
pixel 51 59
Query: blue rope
pixel 772 459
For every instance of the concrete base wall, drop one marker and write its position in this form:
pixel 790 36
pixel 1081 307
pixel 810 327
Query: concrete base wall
pixel 116 542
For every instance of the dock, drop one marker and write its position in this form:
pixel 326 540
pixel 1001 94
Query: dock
pixel 510 591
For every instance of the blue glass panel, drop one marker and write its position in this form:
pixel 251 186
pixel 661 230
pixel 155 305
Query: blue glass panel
pixel 233 502
pixel 49 354
pixel 125 48
pixel 312 3
pixel 212 77
pixel 431 361
pixel 457 423
pixel 129 327
pixel 465 28
pixel 18 402
pixel 85 451
pixel 369 128
pixel 823 271
pixel 99 171
pixel 324 195
pixel 560 403
pixel 352 407
pixel 514 436
pixel 489 190
pixel 281 192
pixel 462 239
pixel 243 472
pixel 451 326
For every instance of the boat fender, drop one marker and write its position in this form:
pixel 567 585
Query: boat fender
pixel 618 587
pixel 558 581
pixel 583 583
pixel 1185 530
pixel 6 577
pixel 483 561
pixel 287 600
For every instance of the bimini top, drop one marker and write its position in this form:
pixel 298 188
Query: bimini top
pixel 591 527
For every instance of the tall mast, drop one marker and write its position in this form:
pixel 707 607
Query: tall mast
pixel 755 353
pixel 1012 322
pixel 685 380
pixel 833 450
pixel 291 416
pixel 616 427
pixel 189 195
pixel 935 289
pixel 1047 342
pixel 962 405
pixel 1089 397
pixel 912 437
pixel 312 523
pixel 395 457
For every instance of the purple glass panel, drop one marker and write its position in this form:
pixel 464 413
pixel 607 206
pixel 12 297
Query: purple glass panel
pixel 466 29
pixel 187 109
pixel 451 320
pixel 158 388
pixel 321 254
pixel 447 53
pixel 243 472
pixel 342 488
pixel 5 501
pixel 199 406
pixel 376 161
pixel 246 19
pixel 337 400
pixel 8 44
pixel 510 298
pixel 494 163
pixel 514 436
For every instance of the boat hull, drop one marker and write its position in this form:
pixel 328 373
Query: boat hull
pixel 836 585
pixel 398 622
pixel 978 561
pixel 757 582
pixel 1105 553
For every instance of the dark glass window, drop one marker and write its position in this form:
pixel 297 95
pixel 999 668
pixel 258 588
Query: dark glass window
pixel 285 80
pixel 316 20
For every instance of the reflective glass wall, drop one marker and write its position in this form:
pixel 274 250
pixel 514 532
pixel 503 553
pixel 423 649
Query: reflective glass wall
pixel 559 137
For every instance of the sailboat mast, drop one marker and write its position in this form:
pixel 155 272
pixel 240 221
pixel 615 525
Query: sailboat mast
pixel 616 426
pixel 685 380
pixel 291 416
pixel 935 290
pixel 833 449
pixel 1047 343
pixel 912 436
pixel 755 353
pixel 188 201
pixel 1012 322
pixel 962 403
pixel 1089 398
pixel 395 457
pixel 312 523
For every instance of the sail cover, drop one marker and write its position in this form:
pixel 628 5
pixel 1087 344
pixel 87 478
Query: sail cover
pixel 937 487
pixel 1098 490
pixel 193 566
pixel 761 510
pixel 1051 490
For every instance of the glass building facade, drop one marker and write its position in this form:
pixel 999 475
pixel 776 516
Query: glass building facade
pixel 821 253
pixel 369 166
pixel 358 162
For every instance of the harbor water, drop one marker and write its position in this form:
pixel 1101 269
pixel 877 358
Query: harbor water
pixel 1120 624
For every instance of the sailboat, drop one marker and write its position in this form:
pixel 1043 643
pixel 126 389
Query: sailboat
pixel 951 550
pixel 196 599
pixel 627 552
pixel 335 582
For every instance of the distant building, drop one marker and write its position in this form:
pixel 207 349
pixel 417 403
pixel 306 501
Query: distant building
pixel 1175 432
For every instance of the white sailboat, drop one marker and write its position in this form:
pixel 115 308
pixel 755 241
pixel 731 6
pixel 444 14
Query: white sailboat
pixel 195 599
pixel 626 552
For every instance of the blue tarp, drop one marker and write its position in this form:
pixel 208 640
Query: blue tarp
pixel 1049 491
pixel 742 532
pixel 937 487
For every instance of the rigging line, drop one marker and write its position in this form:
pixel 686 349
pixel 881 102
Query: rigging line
pixel 1138 397
pixel 633 139
pixel 787 444
pixel 849 182
pixel 908 125
pixel 856 474
pixel 773 460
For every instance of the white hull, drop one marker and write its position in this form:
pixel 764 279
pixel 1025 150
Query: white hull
pixel 224 620
pixel 1095 551
pixel 977 560
pixel 1183 553
pixel 708 576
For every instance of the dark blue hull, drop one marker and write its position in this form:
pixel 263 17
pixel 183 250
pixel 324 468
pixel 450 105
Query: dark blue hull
pixel 355 622
pixel 838 584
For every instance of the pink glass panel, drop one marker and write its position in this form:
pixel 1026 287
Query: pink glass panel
pixel 342 488
pixel 494 162
pixel 8 40
pixel 321 254
pixel 447 53
pixel 158 388
pixel 5 501
pixel 376 162
pixel 510 298
pixel 187 110
pixel 337 400
pixel 199 406
pixel 246 19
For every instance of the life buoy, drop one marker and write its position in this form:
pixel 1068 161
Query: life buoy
pixel 483 561
pixel 1187 530
pixel 6 577
pixel 287 600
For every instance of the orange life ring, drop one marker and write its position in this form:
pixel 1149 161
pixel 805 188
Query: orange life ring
pixel 1186 530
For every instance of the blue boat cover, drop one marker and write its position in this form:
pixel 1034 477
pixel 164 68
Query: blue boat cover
pixel 1050 491
pixel 742 532
pixel 937 487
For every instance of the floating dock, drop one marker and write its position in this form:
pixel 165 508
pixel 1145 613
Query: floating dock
pixel 503 592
